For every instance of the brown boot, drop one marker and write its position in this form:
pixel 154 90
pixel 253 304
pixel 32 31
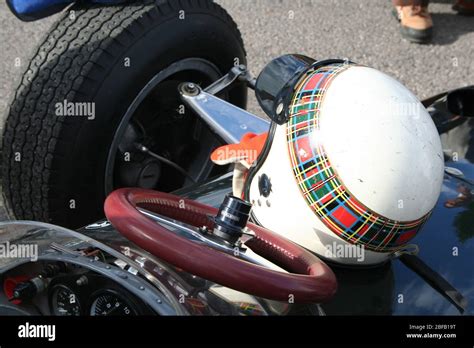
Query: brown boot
pixel 464 7
pixel 416 22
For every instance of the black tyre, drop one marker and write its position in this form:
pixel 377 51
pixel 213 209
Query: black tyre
pixel 104 75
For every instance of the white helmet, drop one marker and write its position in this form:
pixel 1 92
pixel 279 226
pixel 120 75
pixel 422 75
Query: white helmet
pixel 352 159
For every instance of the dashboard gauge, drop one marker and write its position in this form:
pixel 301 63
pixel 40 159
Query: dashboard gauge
pixel 111 303
pixel 64 302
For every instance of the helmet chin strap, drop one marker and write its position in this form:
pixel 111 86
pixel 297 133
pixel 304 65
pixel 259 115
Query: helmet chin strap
pixel 238 179
pixel 243 155
pixel 410 259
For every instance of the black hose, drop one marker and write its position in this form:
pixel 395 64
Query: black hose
pixel 164 160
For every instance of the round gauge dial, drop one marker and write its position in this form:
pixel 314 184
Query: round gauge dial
pixel 111 303
pixel 64 302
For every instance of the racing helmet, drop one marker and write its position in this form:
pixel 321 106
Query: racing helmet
pixel 352 160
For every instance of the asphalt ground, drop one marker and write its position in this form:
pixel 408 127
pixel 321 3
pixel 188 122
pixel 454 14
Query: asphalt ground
pixel 362 30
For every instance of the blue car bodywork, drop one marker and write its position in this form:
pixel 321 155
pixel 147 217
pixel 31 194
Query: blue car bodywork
pixel 31 10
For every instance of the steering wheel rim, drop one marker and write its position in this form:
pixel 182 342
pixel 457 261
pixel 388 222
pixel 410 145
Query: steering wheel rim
pixel 311 279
